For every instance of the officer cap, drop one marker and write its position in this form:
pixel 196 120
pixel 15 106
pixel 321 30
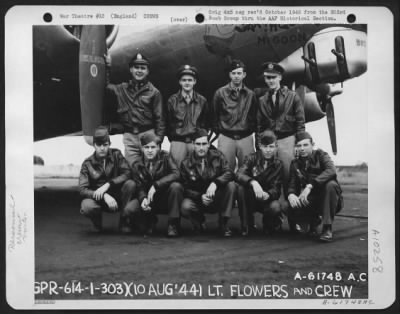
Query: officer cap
pixel 137 59
pixel 187 70
pixel 236 64
pixel 148 138
pixel 267 137
pixel 303 136
pixel 199 133
pixel 101 135
pixel 272 67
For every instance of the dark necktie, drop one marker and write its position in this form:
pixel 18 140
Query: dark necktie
pixel 305 164
pixel 187 99
pixel 235 93
pixel 203 166
pixel 274 104
pixel 273 97
pixel 150 167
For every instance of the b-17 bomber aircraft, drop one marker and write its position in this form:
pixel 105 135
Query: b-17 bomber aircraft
pixel 70 72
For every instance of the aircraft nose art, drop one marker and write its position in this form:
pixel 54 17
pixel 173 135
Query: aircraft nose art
pixel 92 77
pixel 218 38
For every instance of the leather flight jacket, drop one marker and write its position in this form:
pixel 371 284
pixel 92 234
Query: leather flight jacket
pixel 196 181
pixel 269 177
pixel 285 117
pixel 183 119
pixel 95 173
pixel 317 170
pixel 164 172
pixel 234 112
pixel 139 107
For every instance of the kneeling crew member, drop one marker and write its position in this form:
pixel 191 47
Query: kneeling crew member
pixel 104 182
pixel 313 187
pixel 156 176
pixel 209 185
pixel 260 180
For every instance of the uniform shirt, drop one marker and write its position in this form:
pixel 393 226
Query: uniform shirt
pixel 269 177
pixel 164 172
pixel 187 96
pixel 139 106
pixel 95 172
pixel 196 181
pixel 183 119
pixel 317 170
pixel 234 111
pixel 285 117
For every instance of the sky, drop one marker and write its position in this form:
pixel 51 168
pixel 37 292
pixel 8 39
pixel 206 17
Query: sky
pixel 351 131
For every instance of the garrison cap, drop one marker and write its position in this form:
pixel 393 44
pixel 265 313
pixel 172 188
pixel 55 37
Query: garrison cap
pixel 236 64
pixel 200 133
pixel 303 135
pixel 187 70
pixel 272 67
pixel 101 135
pixel 148 138
pixel 137 59
pixel 267 137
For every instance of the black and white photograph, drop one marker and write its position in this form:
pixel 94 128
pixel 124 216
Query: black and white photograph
pixel 199 157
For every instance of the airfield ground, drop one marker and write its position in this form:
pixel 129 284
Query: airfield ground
pixel 68 249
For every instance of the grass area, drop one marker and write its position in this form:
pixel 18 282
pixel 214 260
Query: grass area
pixel 352 175
pixel 347 175
pixel 57 171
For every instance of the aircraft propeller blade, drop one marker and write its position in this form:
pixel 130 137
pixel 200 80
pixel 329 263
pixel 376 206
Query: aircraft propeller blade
pixel 330 118
pixel 92 78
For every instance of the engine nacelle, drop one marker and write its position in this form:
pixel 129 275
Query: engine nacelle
pixel 329 90
pixel 314 102
pixel 332 55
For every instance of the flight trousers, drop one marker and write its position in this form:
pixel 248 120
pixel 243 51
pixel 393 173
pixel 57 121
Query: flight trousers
pixel 179 151
pixel 223 203
pixel 325 201
pixel 124 195
pixel 166 201
pixel 286 153
pixel 236 148
pixel 249 205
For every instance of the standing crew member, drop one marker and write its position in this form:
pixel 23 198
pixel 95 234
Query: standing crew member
pixel 156 176
pixel 104 182
pixel 313 188
pixel 235 116
pixel 281 111
pixel 140 108
pixel 260 186
pixel 208 183
pixel 187 111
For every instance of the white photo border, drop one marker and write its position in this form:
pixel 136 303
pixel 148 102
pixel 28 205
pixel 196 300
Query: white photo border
pixel 19 151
